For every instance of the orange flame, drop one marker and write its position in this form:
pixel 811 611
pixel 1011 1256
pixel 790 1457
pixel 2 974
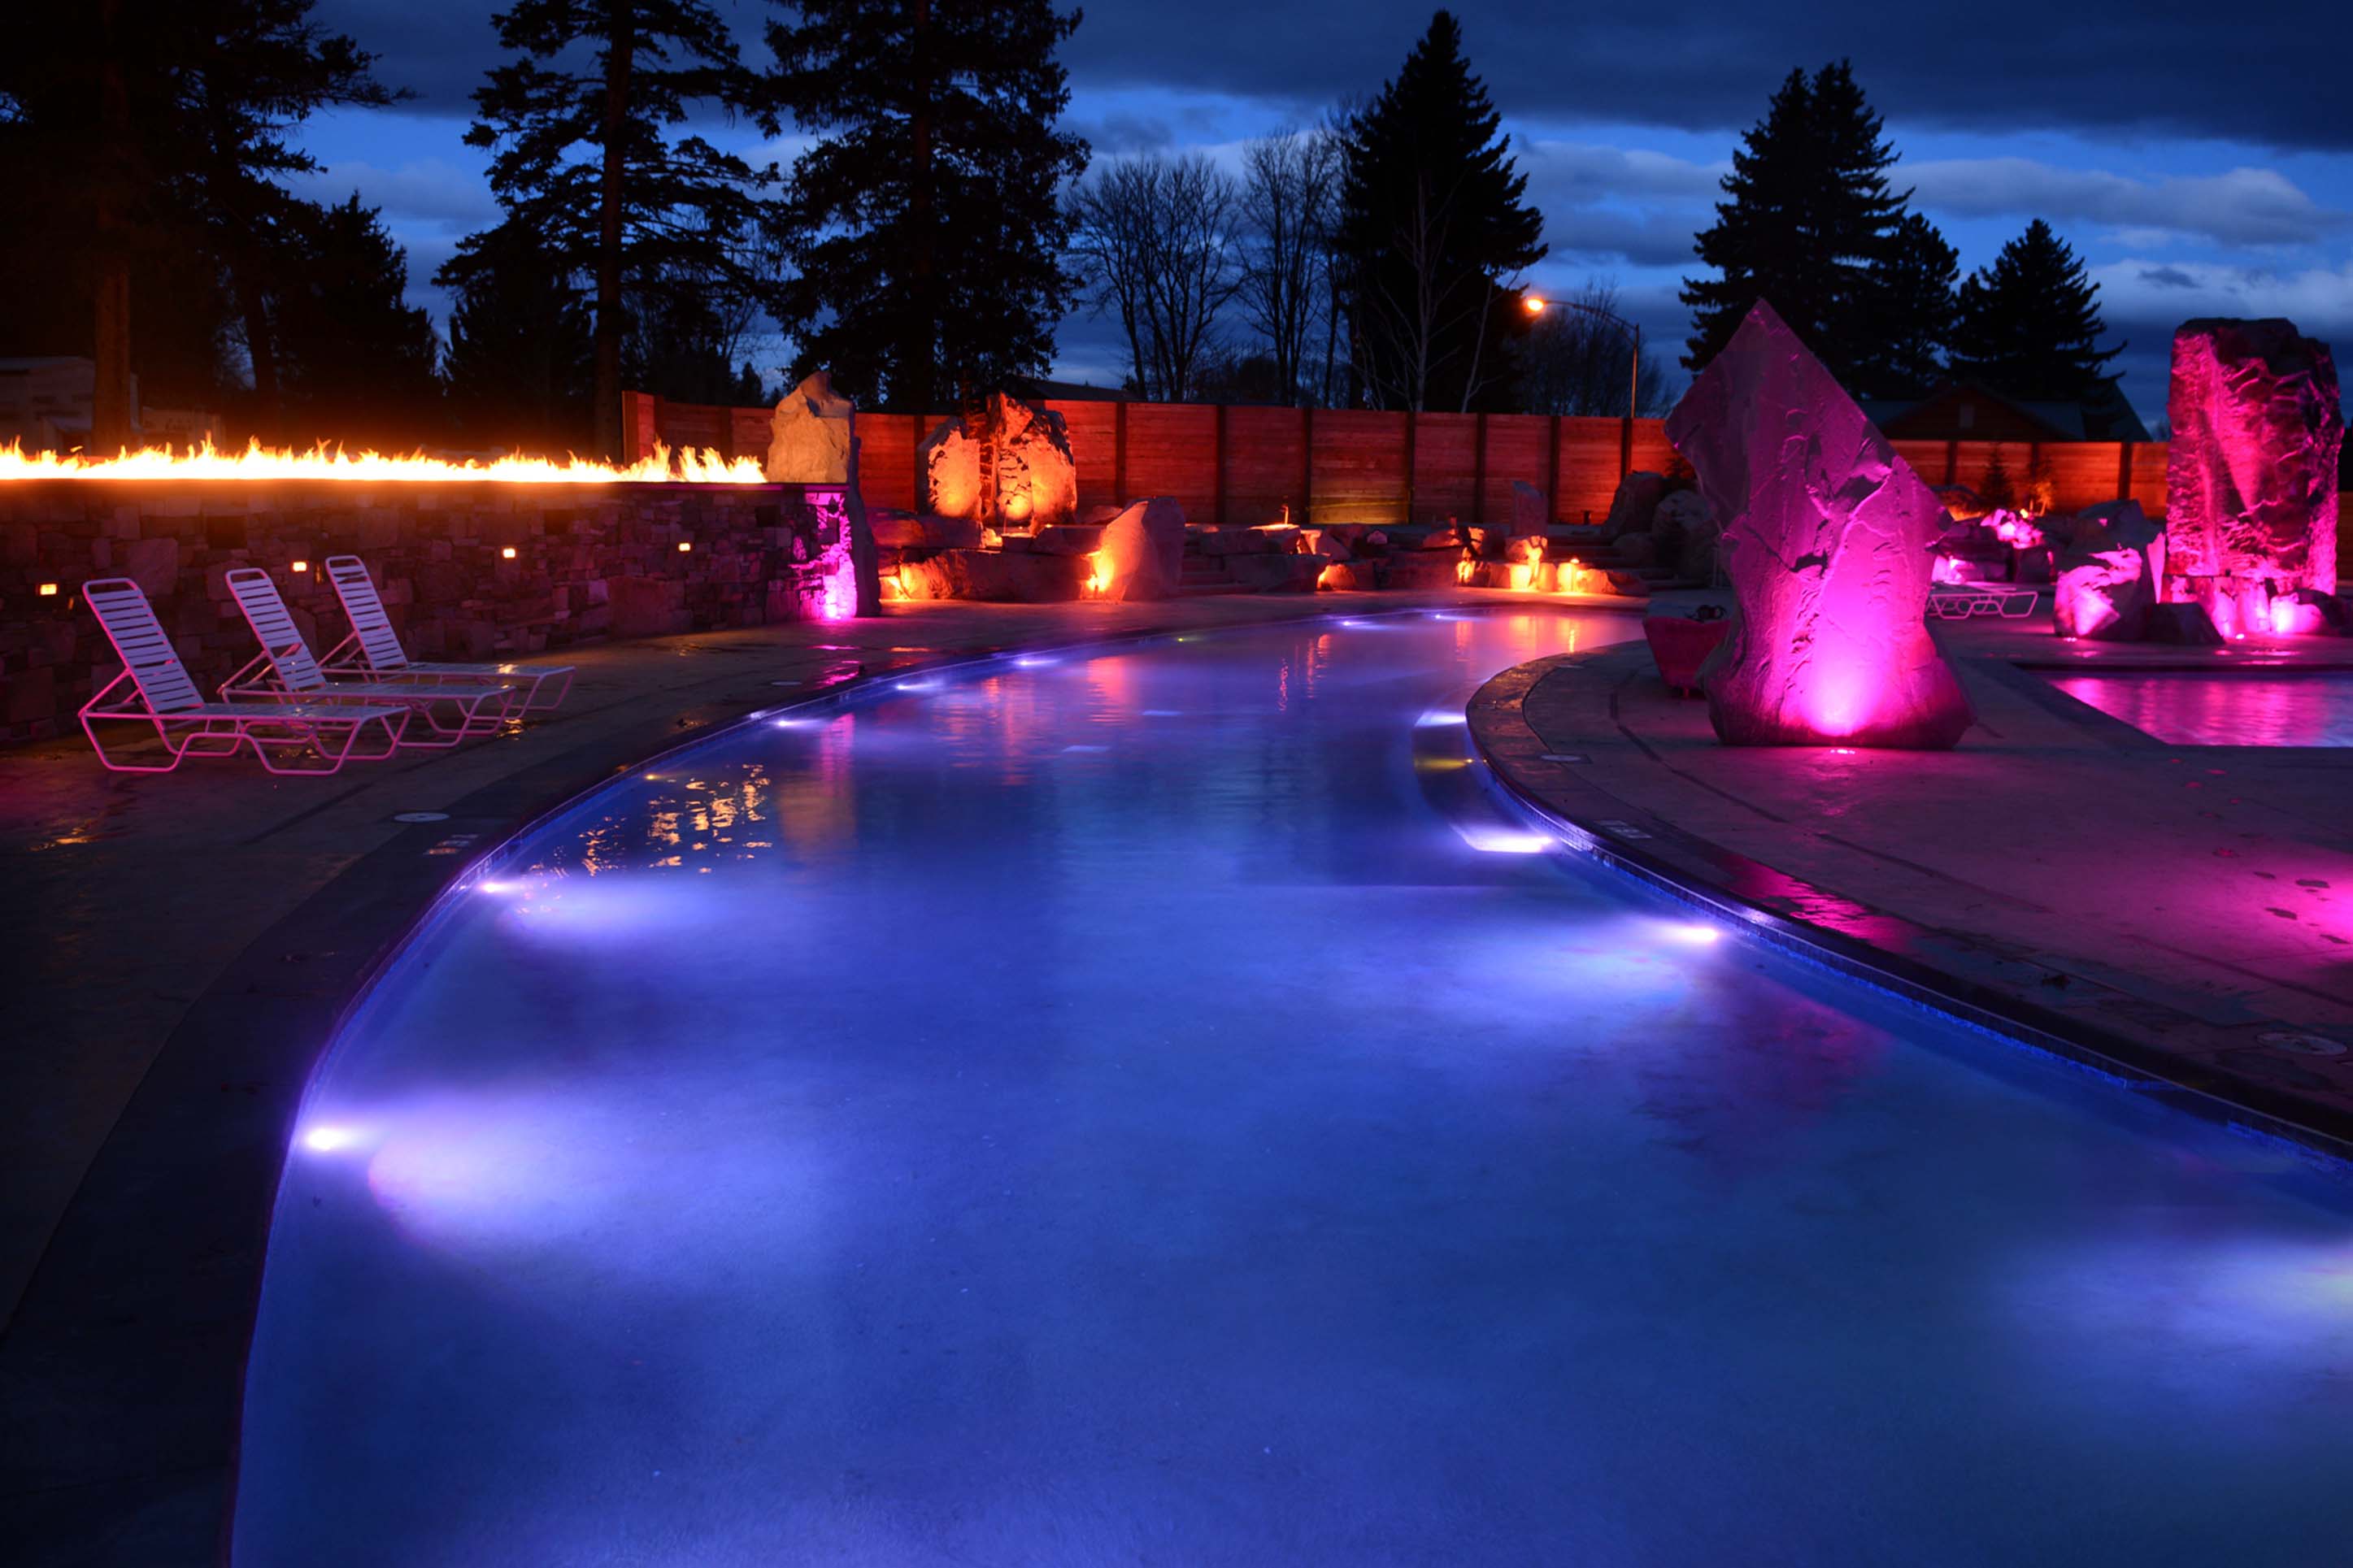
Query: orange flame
pixel 694 465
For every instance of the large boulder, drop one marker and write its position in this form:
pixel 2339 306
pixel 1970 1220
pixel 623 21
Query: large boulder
pixel 2108 581
pixel 2105 596
pixel 1033 481
pixel 809 436
pixel 992 575
pixel 1635 503
pixel 1686 535
pixel 2251 470
pixel 2187 624
pixel 1142 552
pixel 1827 539
pixel 1274 574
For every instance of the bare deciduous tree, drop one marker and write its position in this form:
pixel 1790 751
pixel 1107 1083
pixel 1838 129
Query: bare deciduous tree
pixel 1576 359
pixel 1289 197
pixel 1155 240
pixel 1418 311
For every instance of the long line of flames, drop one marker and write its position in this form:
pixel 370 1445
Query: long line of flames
pixel 689 465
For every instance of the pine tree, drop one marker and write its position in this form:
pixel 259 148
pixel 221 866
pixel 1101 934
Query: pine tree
pixel 141 141
pixel 1432 232
pixel 585 158
pixel 925 219
pixel 1810 224
pixel 1908 318
pixel 521 367
pixel 360 365
pixel 2029 324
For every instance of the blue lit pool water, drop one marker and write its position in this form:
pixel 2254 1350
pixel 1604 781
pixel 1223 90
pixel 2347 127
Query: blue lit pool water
pixel 2241 709
pixel 1147 1107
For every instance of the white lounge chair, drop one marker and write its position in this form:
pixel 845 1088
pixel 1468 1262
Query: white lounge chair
pixel 374 647
pixel 284 668
pixel 1960 601
pixel 155 690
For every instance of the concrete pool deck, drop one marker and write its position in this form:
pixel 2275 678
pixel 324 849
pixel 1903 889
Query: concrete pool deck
pixel 2186 912
pixel 180 947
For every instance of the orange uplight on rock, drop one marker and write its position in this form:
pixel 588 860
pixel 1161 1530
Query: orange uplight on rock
pixel 1099 574
pixel 507 553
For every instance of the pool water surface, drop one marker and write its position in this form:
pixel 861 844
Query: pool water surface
pixel 1151 1105
pixel 2241 709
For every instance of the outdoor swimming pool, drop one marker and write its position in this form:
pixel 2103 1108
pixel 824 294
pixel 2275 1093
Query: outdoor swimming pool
pixel 2239 709
pixel 1149 1105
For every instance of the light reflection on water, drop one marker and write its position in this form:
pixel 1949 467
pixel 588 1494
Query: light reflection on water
pixel 900 1138
pixel 2234 709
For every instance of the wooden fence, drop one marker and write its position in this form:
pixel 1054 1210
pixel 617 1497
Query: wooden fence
pixel 1246 465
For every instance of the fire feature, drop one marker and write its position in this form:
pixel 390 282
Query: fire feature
pixel 691 466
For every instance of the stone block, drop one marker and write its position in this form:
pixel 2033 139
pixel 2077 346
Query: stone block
pixel 1634 505
pixel 1274 573
pixel 1142 552
pixel 809 439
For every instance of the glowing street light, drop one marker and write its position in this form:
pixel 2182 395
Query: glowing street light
pixel 1536 305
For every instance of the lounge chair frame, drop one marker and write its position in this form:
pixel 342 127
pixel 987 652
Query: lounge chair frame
pixel 154 691
pixel 373 647
pixel 285 670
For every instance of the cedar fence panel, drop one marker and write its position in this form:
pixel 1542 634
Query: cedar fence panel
pixel 1245 464
pixel 1445 459
pixel 1263 466
pixel 1359 465
pixel 1516 447
pixel 1094 447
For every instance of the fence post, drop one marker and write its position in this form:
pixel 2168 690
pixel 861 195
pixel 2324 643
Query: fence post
pixel 920 503
pixel 1625 449
pixel 1952 462
pixel 1119 454
pixel 1218 458
pixel 1552 476
pixel 1478 470
pixel 1307 465
pixel 2124 470
pixel 1412 421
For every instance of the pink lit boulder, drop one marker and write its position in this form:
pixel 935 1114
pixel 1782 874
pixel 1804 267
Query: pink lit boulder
pixel 2107 582
pixel 1827 539
pixel 2251 471
pixel 1142 552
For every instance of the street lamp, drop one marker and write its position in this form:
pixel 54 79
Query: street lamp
pixel 1536 305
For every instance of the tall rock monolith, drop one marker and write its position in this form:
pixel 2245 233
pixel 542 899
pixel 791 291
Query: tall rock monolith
pixel 1827 539
pixel 1013 470
pixel 2251 470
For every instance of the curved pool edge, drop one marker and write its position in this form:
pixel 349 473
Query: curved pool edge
pixel 151 1281
pixel 1705 874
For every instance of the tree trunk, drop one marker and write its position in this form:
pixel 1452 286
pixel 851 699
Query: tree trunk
pixel 113 417
pixel 620 53
pixel 919 370
pixel 260 352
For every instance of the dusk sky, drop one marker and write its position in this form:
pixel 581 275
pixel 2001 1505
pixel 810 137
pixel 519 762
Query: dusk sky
pixel 2181 157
